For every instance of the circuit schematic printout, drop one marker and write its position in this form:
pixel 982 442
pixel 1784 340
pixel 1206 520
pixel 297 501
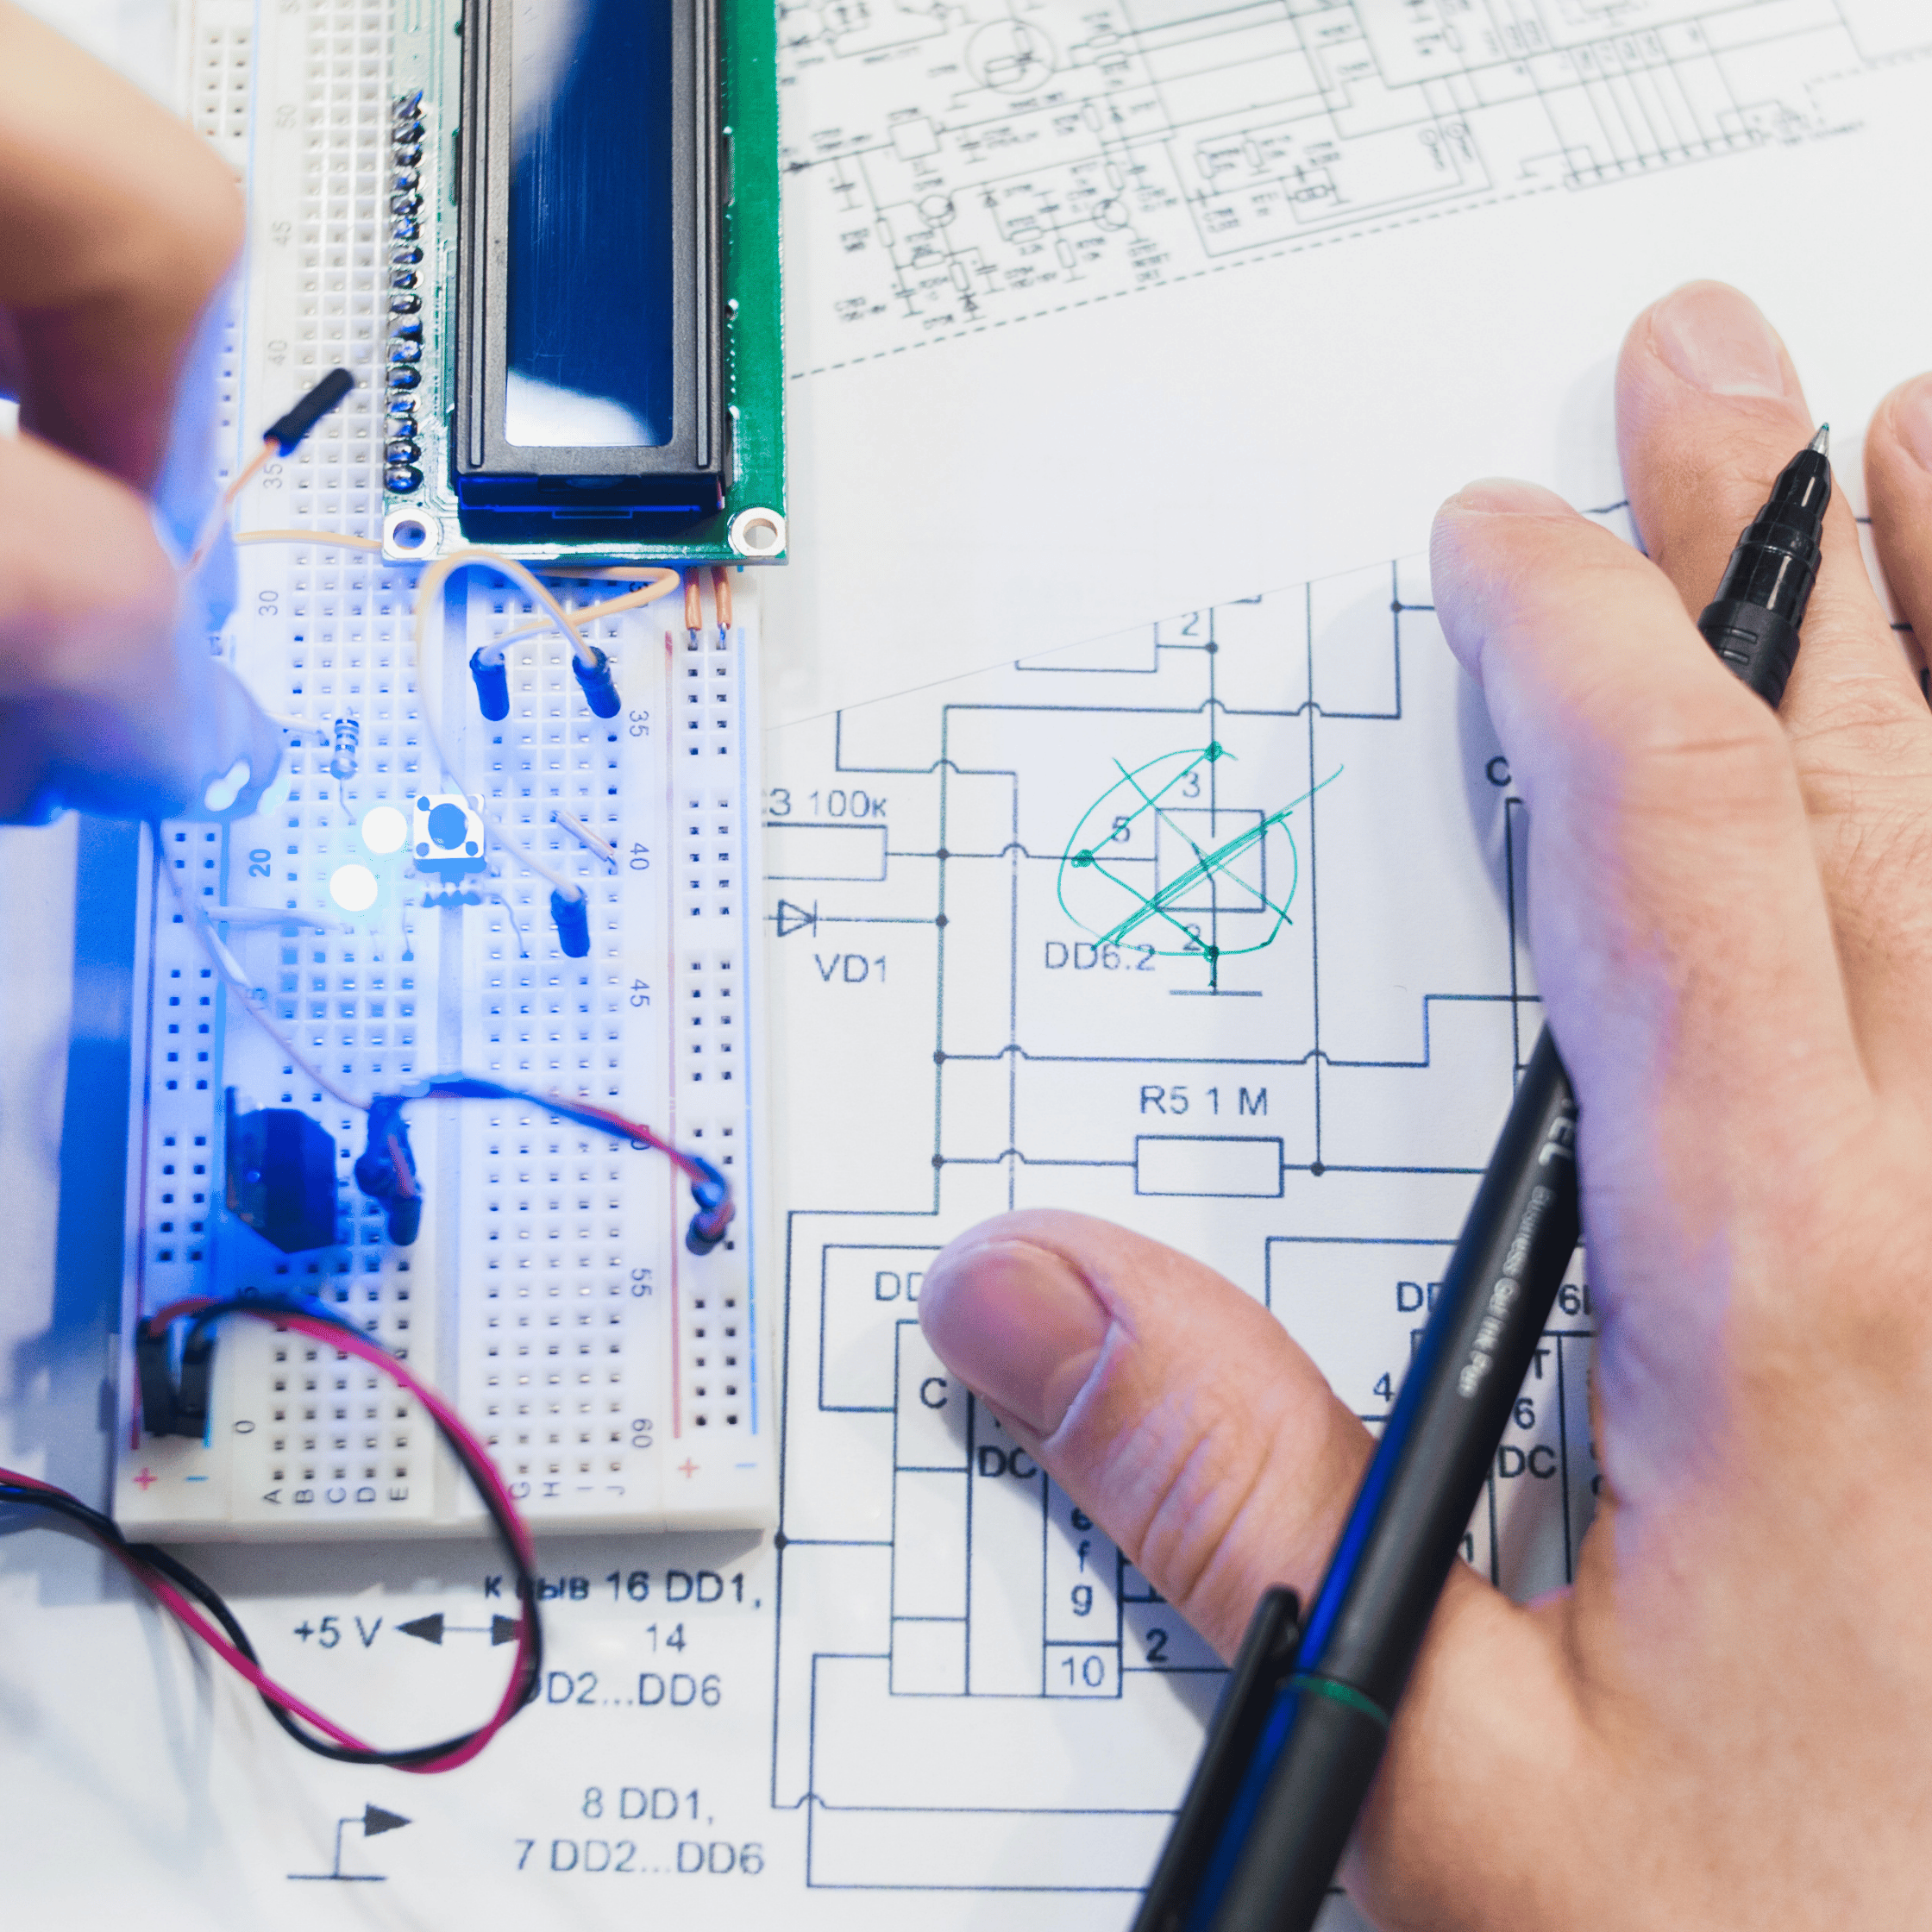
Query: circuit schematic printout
pixel 1212 923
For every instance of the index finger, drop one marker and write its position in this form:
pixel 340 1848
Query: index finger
pixel 117 224
pixel 1682 936
pixel 1710 409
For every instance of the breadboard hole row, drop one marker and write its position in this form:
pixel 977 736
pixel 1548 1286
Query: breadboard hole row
pixel 337 1423
pixel 557 1370
pixel 223 72
pixel 180 1181
pixel 341 309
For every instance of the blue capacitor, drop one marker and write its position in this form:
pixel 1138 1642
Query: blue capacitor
pixel 493 687
pixel 599 683
pixel 573 921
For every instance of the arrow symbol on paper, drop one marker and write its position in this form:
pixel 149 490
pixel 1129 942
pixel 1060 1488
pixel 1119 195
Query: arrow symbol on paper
pixel 432 1629
pixel 374 1822
pixel 795 919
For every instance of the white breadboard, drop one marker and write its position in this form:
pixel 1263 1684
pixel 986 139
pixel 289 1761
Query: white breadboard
pixel 618 1380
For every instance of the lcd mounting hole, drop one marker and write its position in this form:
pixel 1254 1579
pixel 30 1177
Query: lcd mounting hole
pixel 758 533
pixel 411 533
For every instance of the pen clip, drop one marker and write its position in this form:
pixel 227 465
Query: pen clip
pixel 1254 1687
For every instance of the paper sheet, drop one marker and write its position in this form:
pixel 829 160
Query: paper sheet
pixel 1192 508
pixel 1240 387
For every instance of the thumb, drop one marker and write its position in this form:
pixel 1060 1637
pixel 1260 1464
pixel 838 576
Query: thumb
pixel 1177 1412
pixel 1172 1408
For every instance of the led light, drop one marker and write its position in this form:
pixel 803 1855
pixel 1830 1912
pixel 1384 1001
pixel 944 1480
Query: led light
pixel 353 887
pixel 222 792
pixel 275 794
pixel 384 829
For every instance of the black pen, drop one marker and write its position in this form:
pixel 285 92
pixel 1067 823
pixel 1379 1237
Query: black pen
pixel 1294 1746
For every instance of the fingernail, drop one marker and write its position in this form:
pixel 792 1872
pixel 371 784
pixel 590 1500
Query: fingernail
pixel 1503 496
pixel 1017 1324
pixel 1716 340
pixel 1911 416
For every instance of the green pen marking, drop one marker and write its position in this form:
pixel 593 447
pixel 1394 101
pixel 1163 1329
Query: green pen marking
pixel 1146 794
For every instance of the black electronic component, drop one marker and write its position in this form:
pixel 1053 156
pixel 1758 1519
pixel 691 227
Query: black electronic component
pixel 492 687
pixel 174 1392
pixel 386 1171
pixel 588 408
pixel 286 432
pixel 281 1176
pixel 572 917
pixel 598 682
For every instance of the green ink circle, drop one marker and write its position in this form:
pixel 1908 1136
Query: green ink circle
pixel 1136 798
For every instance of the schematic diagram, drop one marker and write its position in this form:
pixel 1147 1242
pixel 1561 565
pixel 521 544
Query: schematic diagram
pixel 958 164
pixel 976 1689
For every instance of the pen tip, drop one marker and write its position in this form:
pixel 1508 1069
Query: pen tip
pixel 1821 442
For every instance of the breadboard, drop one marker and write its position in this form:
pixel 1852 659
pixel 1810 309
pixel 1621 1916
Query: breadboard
pixel 618 1379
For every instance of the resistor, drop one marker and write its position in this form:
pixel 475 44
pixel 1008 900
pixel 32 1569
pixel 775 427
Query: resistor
pixel 348 737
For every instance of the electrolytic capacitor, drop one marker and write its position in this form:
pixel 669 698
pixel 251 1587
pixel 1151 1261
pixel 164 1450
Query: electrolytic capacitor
pixel 492 687
pixel 573 924
pixel 599 685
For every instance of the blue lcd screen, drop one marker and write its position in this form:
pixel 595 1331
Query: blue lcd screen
pixel 589 345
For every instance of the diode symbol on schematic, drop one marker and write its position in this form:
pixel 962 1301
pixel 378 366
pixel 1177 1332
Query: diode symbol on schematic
pixel 374 1822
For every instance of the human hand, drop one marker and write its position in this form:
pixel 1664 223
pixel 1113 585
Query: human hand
pixel 1728 1719
pixel 117 225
